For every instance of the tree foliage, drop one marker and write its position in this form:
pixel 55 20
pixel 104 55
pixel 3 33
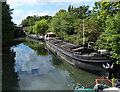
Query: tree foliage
pixel 7 24
pixel 80 12
pixel 62 23
pixel 109 14
pixel 30 20
pixel 40 26
pixel 110 39
pixel 103 10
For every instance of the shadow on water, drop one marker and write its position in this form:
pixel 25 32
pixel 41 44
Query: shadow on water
pixel 9 76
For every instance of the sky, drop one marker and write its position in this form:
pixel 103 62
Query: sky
pixel 24 8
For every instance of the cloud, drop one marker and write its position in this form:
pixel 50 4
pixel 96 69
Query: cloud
pixel 16 3
pixel 19 15
pixel 24 8
pixel 42 13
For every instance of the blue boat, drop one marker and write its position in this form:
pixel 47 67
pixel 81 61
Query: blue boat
pixel 80 88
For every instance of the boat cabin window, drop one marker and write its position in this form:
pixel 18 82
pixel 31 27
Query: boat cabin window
pixel 51 35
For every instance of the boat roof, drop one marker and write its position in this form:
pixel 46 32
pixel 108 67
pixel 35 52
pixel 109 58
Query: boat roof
pixel 50 33
pixel 79 48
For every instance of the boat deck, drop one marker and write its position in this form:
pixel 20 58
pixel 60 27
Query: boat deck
pixel 77 51
pixel 71 47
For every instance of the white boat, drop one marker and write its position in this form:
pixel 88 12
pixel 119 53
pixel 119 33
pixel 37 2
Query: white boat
pixel 38 37
pixel 111 89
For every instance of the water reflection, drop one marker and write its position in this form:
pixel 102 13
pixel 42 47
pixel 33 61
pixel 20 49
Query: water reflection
pixel 38 46
pixel 78 75
pixel 43 71
pixel 57 64
pixel 9 76
pixel 27 61
pixel 37 72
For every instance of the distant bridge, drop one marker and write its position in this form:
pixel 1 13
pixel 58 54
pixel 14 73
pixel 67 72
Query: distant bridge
pixel 19 32
pixel 18 28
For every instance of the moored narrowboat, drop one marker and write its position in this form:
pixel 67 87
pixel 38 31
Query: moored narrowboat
pixel 86 58
pixel 38 37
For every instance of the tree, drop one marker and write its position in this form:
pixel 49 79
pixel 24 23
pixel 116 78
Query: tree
pixel 48 18
pixel 30 20
pixel 70 8
pixel 62 23
pixel 40 26
pixel 110 39
pixel 81 12
pixel 103 10
pixel 90 29
pixel 7 24
pixel 107 16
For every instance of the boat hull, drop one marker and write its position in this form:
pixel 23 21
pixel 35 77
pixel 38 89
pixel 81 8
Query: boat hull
pixel 36 37
pixel 93 67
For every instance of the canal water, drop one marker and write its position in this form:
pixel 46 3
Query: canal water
pixel 30 66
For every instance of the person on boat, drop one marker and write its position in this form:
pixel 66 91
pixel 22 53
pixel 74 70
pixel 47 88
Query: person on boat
pixel 114 81
pixel 79 86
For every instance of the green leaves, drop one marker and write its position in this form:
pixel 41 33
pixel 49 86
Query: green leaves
pixel 62 23
pixel 40 26
pixel 30 20
pixel 110 39
pixel 7 24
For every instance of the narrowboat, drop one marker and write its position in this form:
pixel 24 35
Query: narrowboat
pixel 86 58
pixel 38 37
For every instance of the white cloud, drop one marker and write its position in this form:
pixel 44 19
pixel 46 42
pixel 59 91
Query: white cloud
pixel 15 3
pixel 19 15
pixel 18 11
pixel 42 13
pixel 35 7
